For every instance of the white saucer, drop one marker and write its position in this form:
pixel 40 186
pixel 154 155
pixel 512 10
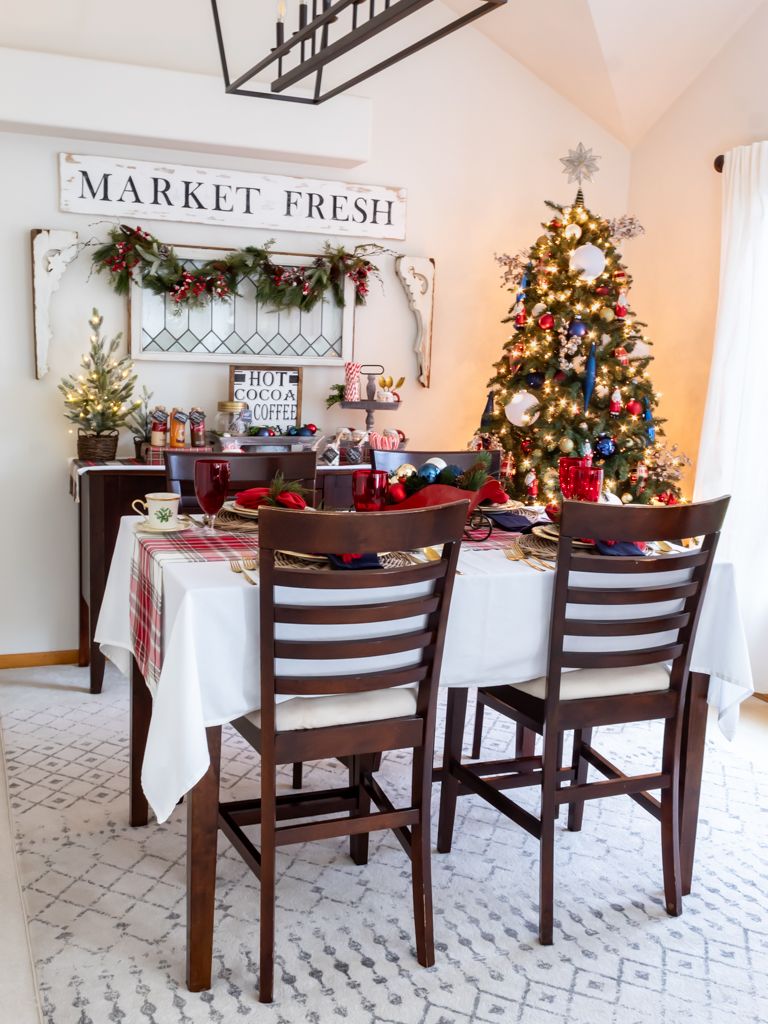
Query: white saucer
pixel 142 528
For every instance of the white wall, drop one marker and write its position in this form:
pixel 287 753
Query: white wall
pixel 676 193
pixel 475 139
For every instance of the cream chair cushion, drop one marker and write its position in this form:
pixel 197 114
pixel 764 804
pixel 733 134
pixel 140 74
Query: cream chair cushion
pixel 341 709
pixel 602 682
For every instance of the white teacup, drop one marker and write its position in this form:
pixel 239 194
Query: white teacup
pixel 161 510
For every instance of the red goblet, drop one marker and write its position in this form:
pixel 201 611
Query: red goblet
pixel 211 486
pixel 369 490
pixel 565 465
pixel 586 483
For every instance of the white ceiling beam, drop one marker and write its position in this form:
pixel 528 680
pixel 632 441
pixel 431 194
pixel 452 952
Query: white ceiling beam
pixel 78 98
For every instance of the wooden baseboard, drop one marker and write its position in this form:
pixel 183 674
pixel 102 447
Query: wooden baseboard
pixel 38 658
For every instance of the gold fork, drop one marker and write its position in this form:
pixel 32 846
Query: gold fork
pixel 236 567
pixel 513 557
pixel 434 556
pixel 250 564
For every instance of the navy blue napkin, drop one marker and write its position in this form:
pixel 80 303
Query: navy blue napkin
pixel 619 547
pixel 370 561
pixel 509 521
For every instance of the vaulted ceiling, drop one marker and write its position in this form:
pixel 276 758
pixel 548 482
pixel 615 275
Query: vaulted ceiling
pixel 623 62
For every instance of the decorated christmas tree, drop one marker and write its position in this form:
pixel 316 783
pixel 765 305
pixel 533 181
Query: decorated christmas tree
pixel 574 377
pixel 99 399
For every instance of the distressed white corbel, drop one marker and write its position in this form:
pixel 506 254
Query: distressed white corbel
pixel 51 252
pixel 417 274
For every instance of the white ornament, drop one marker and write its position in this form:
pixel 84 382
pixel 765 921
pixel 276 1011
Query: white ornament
pixel 538 309
pixel 601 391
pixel 440 463
pixel 572 231
pixel 589 260
pixel 517 407
pixel 579 363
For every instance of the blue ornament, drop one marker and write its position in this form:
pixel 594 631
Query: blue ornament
pixel 456 470
pixel 589 377
pixel 262 432
pixel 648 417
pixel 429 472
pixel 524 280
pixel 605 446
pixel 486 420
pixel 535 380
pixel 292 430
pixel 577 328
pixel 304 432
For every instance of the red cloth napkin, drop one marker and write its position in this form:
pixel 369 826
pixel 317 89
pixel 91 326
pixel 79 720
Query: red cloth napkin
pixel 256 496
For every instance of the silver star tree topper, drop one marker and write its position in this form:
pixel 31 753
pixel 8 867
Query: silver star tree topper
pixel 580 164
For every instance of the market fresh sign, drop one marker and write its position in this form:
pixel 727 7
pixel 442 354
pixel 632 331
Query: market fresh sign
pixel 141 190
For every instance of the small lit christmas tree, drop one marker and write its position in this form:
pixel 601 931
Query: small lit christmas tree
pixel 99 399
pixel 569 382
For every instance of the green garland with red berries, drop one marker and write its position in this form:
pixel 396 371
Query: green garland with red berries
pixel 134 255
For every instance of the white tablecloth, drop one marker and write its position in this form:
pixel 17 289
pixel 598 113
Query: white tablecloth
pixel 497 633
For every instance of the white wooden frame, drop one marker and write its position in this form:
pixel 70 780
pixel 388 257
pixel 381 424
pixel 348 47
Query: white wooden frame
pixel 135 301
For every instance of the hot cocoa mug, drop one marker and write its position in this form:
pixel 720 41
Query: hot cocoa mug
pixel 160 509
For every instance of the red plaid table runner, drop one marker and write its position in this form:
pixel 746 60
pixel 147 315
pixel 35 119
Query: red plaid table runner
pixel 499 539
pixel 150 554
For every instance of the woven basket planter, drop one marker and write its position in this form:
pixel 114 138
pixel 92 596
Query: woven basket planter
pixel 97 446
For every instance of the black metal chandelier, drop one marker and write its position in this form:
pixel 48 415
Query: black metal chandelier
pixel 310 49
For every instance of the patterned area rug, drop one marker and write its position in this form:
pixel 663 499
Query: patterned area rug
pixel 106 903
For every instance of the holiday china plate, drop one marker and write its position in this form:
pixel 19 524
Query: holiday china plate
pixel 552 532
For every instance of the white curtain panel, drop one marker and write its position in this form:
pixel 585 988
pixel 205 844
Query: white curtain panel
pixel 732 456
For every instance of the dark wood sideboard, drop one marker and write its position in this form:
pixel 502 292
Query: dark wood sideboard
pixel 106 495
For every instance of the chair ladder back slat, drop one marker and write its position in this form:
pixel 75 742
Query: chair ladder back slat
pixel 357 683
pixel 326 615
pixel 322 650
pixel 636 595
pixel 624 564
pixel 363 579
pixel 621 659
pixel 625 627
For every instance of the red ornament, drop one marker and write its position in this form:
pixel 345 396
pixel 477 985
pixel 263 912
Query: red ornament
pixel 515 357
pixel 602 290
pixel 559 376
pixel 508 467
pixel 621 312
pixel 620 278
pixel 615 406
pixel 621 355
pixel 521 318
pixel 532 484
pixel 527 445
pixel 271 433
pixel 397 493
pixel 553 511
pixel 546 322
pixel 634 408
pixel 312 427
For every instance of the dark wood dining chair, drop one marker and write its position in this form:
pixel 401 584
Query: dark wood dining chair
pixel 246 470
pixel 608 687
pixel 353 710
pixel 389 461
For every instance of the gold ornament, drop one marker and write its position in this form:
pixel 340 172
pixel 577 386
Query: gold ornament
pixel 607 314
pixel 404 471
pixel 566 445
pixel 626 497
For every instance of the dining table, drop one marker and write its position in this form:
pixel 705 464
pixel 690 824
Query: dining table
pixel 184 629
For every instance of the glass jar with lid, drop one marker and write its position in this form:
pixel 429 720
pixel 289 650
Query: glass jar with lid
pixel 229 420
